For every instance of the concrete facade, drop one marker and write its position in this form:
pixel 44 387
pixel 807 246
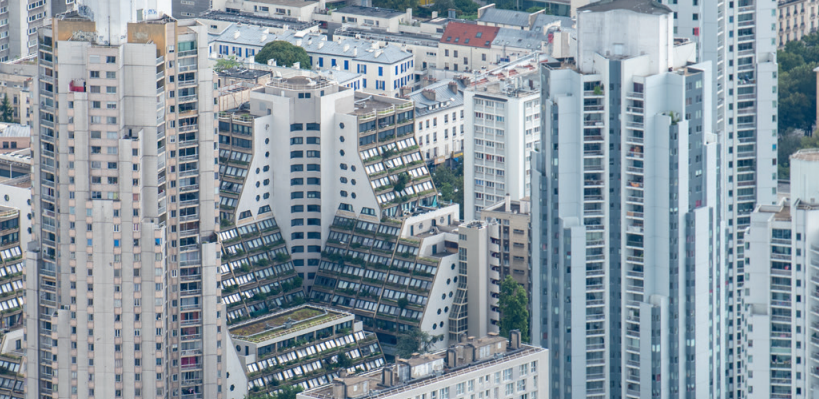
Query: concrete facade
pixel 123 290
pixel 487 367
pixel 626 213
pixel 503 126
pixel 780 327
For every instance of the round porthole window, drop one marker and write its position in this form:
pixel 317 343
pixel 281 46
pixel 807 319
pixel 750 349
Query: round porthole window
pixel 341 138
pixel 341 152
pixel 352 168
pixel 341 125
pixel 267 141
pixel 6 197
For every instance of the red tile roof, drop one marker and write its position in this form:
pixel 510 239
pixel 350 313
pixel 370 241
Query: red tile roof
pixel 471 35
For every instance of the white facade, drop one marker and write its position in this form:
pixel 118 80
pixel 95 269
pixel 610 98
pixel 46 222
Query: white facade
pixel 502 121
pixel 739 39
pixel 385 69
pixel 781 325
pixel 296 9
pixel 439 118
pixel 626 216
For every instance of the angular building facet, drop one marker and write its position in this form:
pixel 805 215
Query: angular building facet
pixel 123 297
pixel 625 211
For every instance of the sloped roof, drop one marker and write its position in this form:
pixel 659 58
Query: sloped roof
pixel 640 6
pixel 358 49
pixel 522 39
pixel 443 94
pixel 505 17
pixel 471 35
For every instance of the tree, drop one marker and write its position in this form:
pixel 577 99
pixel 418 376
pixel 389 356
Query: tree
pixel 450 183
pixel 287 392
pixel 790 142
pixel 226 63
pixel 285 54
pixel 416 340
pixel 6 110
pixel 401 182
pixel 403 302
pixel 398 5
pixel 797 83
pixel 343 361
pixel 514 309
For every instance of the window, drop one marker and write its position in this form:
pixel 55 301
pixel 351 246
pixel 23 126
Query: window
pixel 110 60
pixel 313 194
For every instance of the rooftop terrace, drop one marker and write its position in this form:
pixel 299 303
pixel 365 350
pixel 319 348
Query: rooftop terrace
pixel 285 322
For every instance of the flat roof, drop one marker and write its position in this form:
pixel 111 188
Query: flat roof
pixel 807 155
pixel 286 3
pixel 641 6
pixel 285 322
pixel 243 73
pixel 253 19
pixel 506 17
pixel 367 104
pixel 374 12
pixel 326 391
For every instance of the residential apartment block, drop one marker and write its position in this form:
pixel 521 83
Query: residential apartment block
pixel 439 115
pixel 300 347
pixel 123 277
pixel 626 214
pixel 489 250
pixel 19 77
pixel 19 22
pixel 471 47
pixel 739 38
pixel 780 329
pixel 502 109
pixel 485 367
pixel 797 18
pixel 385 69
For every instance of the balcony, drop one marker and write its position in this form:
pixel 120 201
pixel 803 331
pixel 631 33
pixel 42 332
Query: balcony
pixel 190 292
pixel 190 322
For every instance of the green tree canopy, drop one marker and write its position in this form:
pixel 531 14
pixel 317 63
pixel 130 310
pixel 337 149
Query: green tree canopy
pixel 6 110
pixel 226 63
pixel 797 83
pixel 450 183
pixel 397 5
pixel 416 340
pixel 789 143
pixel 514 308
pixel 285 54
pixel 287 392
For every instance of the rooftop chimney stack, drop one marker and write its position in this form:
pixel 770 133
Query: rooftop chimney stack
pixel 514 339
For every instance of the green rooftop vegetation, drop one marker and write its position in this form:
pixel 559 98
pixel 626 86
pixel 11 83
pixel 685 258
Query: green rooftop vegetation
pixel 275 326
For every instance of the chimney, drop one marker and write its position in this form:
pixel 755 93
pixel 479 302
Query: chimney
pixel 296 65
pixel 508 200
pixel 462 338
pixel 428 94
pixel 453 87
pixel 514 339
pixel 409 16
pixel 451 358
pixel 339 389
pixel 387 376
pixel 404 91
pixel 434 14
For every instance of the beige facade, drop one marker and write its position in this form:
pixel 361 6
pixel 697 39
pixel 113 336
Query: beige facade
pixel 797 18
pixel 122 279
pixel 490 367
pixel 513 217
pixel 19 85
pixel 489 250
